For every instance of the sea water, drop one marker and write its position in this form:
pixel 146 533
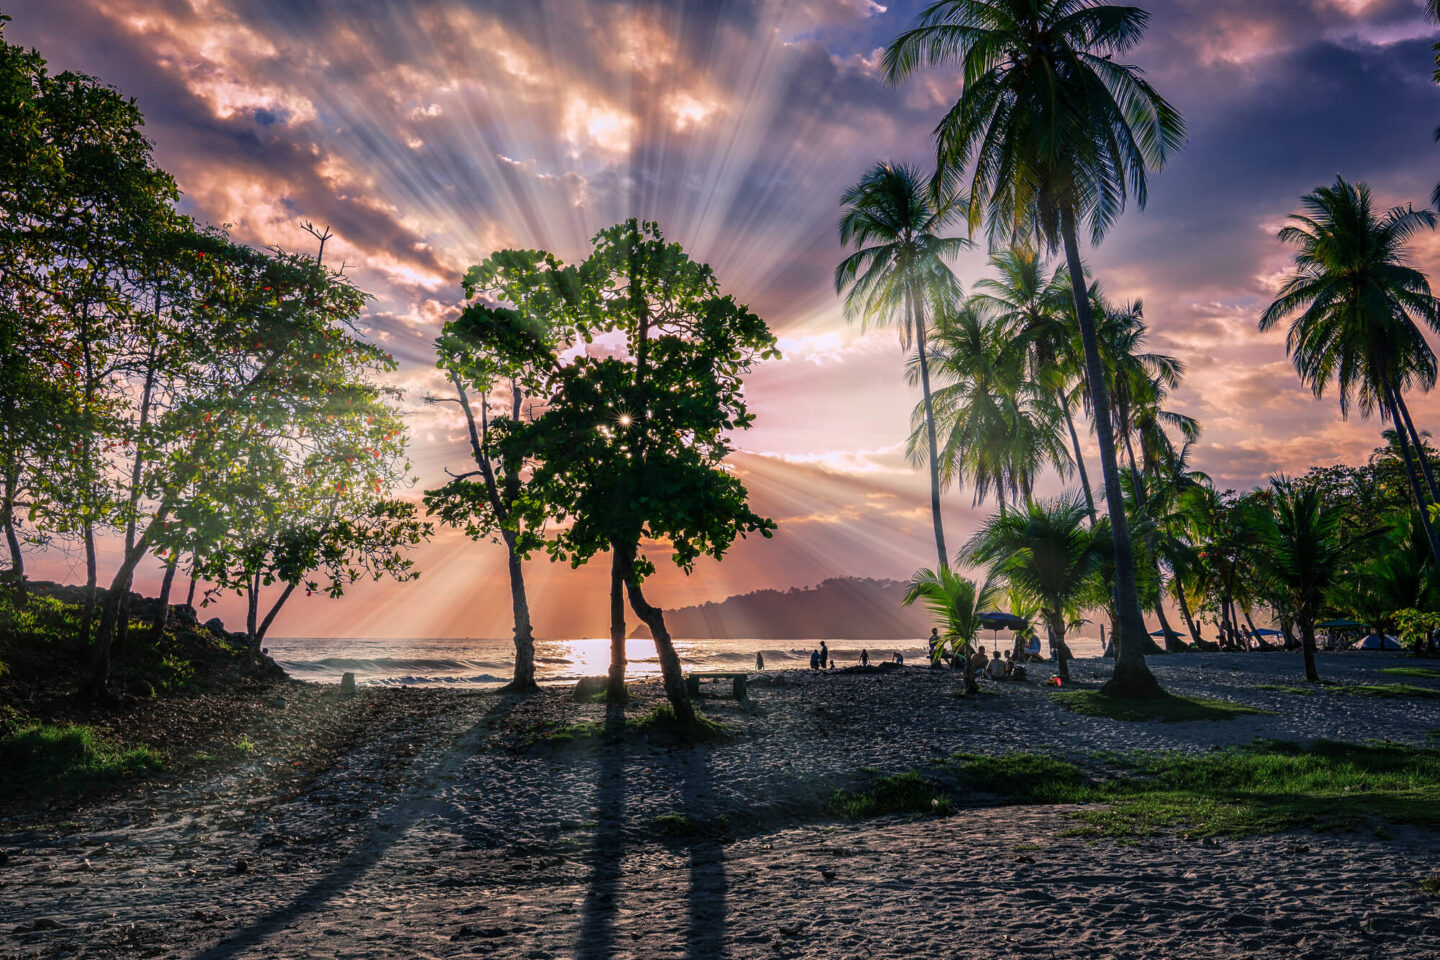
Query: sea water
pixel 482 664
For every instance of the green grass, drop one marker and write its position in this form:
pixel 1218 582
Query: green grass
pixel 1430 885
pixel 678 826
pixel 1424 672
pixel 1167 707
pixel 906 792
pixel 1267 787
pixel 41 759
pixel 659 723
pixel 1278 688
pixel 1388 690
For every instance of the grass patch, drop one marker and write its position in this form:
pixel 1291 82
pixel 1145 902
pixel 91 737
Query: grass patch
pixel 1278 688
pixel 678 826
pixel 42 759
pixel 1388 690
pixel 1267 787
pixel 658 723
pixel 1168 707
pixel 1430 886
pixel 1429 673
pixel 906 792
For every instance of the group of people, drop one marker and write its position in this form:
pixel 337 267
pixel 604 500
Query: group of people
pixel 820 659
pixel 994 666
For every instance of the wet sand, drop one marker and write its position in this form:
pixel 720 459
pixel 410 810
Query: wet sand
pixel 431 824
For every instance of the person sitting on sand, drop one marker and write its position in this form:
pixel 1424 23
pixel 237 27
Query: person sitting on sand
pixel 864 658
pixel 814 659
pixel 978 660
pixel 1032 648
pixel 996 669
pixel 1014 669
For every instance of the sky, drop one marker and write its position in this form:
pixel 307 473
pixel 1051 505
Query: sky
pixel 427 134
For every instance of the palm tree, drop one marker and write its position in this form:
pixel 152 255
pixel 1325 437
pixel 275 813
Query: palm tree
pixel 1034 304
pixel 899 271
pixel 1304 556
pixel 1052 131
pixel 1048 552
pixel 998 428
pixel 1356 304
pixel 957 603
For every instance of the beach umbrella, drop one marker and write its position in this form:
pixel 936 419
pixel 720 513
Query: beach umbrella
pixel 1267 632
pixel 1339 625
pixel 1000 620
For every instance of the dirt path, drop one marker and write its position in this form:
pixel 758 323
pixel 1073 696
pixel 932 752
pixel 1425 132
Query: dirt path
pixel 436 835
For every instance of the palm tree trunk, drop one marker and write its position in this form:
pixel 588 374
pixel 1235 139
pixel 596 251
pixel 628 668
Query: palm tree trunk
pixel 1307 643
pixel 1419 447
pixel 615 684
pixel 654 618
pixel 918 314
pixel 1418 493
pixel 1185 611
pixel 1058 650
pixel 1079 457
pixel 1173 643
pixel 1132 678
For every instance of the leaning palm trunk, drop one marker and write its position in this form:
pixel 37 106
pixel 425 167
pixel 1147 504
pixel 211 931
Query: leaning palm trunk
pixel 1132 678
pixel 1185 611
pixel 934 461
pixel 1058 650
pixel 1419 447
pixel 1410 473
pixel 1079 457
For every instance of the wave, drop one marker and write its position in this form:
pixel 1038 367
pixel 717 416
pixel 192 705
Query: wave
pixel 391 665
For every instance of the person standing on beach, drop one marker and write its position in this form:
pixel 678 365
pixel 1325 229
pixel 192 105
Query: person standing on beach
pixel 824 655
pixel 864 658
pixel 759 660
pixel 935 648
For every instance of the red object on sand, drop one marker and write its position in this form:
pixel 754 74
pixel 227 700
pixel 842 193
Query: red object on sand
pixel 1055 681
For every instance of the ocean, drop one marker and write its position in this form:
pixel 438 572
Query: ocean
pixel 484 664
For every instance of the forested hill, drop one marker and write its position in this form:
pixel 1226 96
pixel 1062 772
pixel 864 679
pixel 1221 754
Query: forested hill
pixel 846 608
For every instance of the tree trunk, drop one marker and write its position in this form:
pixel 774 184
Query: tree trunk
pixel 1419 447
pixel 1079 458
pixel 1307 643
pixel 1132 678
pixel 87 616
pixel 270 617
pixel 654 618
pixel 1249 622
pixel 252 614
pixel 969 672
pixel 1185 611
pixel 1173 643
pixel 615 683
pixel 524 678
pixel 1415 489
pixel 12 542
pixel 1059 652
pixel 162 614
pixel 918 314
pixel 190 594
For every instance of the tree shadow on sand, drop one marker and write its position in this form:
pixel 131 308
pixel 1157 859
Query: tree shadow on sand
pixel 706 901
pixel 417 802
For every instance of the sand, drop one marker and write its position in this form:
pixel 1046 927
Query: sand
pixel 437 829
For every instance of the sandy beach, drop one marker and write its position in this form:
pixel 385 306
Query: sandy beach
pixel 442 824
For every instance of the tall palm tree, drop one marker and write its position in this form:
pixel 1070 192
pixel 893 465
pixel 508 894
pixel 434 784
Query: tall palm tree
pixel 998 428
pixel 1047 551
pixel 1035 305
pixel 1051 131
pixel 957 603
pixel 899 272
pixel 1358 308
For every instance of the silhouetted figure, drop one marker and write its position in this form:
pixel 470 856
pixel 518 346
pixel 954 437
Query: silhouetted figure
pixel 934 648
pixel 864 658
pixel 824 655
pixel 814 659
pixel 759 660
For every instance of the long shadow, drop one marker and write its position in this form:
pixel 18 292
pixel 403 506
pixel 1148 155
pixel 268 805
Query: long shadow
pixel 414 804
pixel 705 932
pixel 607 855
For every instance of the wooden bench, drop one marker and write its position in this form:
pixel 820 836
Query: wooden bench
pixel 737 682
